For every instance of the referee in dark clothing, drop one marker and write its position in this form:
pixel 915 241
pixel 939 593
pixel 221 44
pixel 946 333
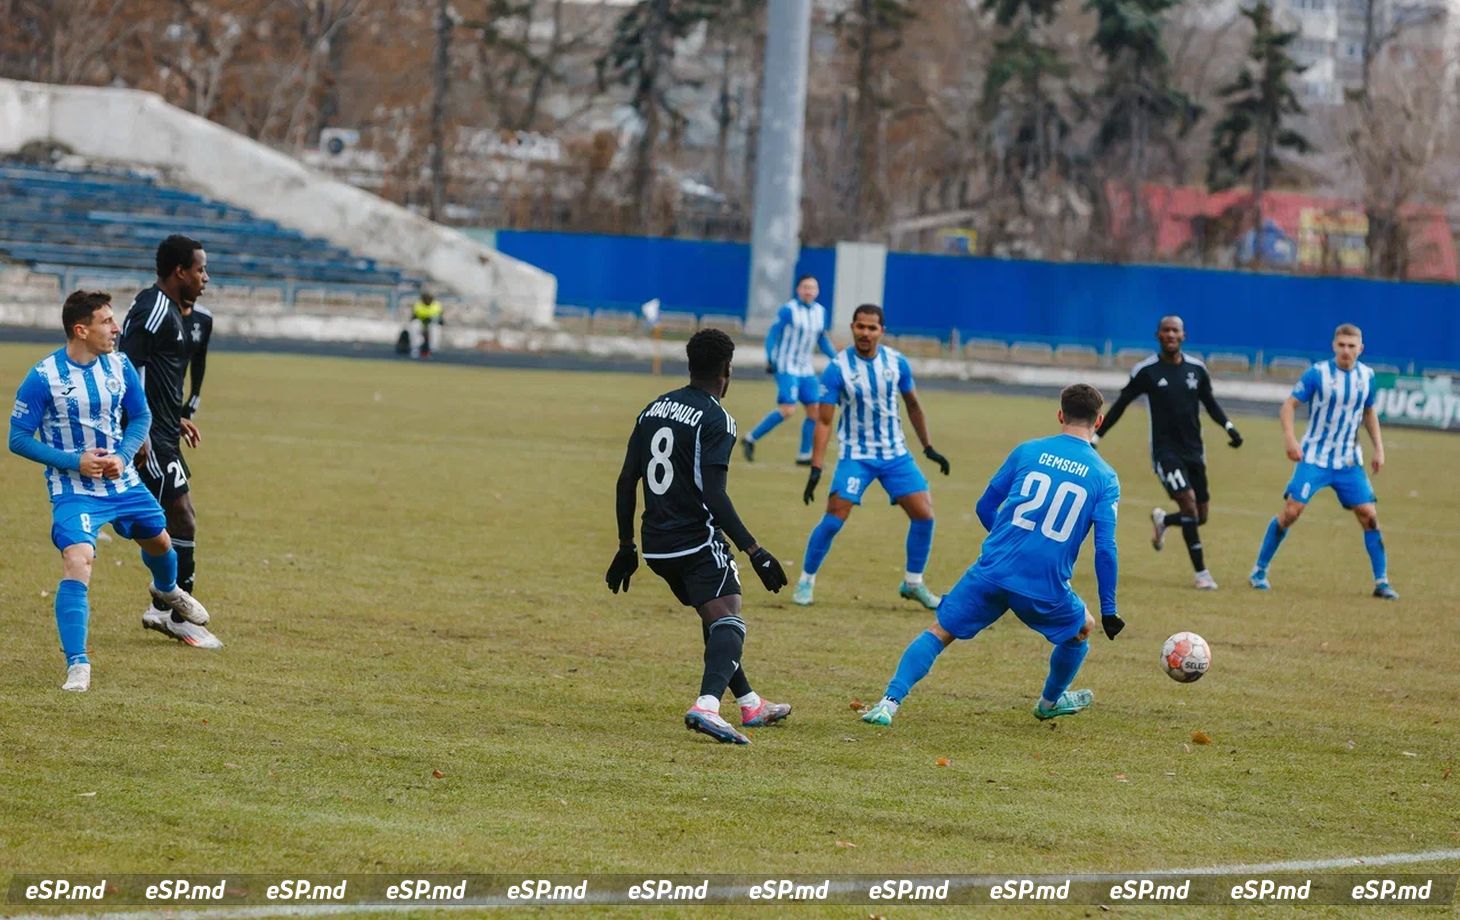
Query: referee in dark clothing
pixel 1176 387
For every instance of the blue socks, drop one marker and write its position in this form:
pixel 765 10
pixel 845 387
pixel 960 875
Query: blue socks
pixel 766 424
pixel 1064 664
pixel 808 431
pixel 919 545
pixel 71 616
pixel 163 569
pixel 820 543
pixel 1270 543
pixel 1374 543
pixel 916 662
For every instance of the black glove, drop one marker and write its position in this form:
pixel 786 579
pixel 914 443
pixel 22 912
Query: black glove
pixel 770 368
pixel 937 458
pixel 1234 439
pixel 625 563
pixel 809 495
pixel 1112 624
pixel 768 567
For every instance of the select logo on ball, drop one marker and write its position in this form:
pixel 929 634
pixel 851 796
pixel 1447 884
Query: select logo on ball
pixel 1186 657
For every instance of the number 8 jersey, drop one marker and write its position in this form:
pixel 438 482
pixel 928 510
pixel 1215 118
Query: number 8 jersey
pixel 1039 507
pixel 674 440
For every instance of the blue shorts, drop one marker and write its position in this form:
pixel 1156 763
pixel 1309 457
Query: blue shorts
pixel 134 514
pixel 899 476
pixel 975 602
pixel 1350 484
pixel 792 388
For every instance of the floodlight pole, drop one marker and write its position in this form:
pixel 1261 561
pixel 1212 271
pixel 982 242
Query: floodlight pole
pixel 775 234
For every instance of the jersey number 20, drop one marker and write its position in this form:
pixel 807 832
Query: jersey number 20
pixel 660 474
pixel 1069 499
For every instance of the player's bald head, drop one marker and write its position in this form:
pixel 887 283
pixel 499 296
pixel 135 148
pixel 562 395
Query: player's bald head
pixel 1171 320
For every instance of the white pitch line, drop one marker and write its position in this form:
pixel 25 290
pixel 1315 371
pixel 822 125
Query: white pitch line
pixel 317 910
pixel 1312 865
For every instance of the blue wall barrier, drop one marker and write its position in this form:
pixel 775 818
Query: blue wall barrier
pixel 1234 311
pixel 1011 300
pixel 621 272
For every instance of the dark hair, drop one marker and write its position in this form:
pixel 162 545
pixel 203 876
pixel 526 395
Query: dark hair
pixel 801 278
pixel 79 307
pixel 1080 402
pixel 175 252
pixel 709 351
pixel 874 310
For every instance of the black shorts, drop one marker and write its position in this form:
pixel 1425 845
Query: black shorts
pixel 1178 473
pixel 164 472
pixel 701 576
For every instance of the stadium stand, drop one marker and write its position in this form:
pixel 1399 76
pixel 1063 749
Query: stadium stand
pixel 62 222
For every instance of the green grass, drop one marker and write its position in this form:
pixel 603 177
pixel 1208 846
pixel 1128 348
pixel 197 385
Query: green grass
pixel 406 561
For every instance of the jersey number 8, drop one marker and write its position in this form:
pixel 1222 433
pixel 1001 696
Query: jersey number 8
pixel 660 474
pixel 1068 499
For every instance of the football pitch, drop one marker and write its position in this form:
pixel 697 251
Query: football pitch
pixel 424 671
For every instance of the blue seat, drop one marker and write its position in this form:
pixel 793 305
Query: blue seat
pixel 51 218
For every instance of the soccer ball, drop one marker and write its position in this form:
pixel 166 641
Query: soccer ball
pixel 1186 657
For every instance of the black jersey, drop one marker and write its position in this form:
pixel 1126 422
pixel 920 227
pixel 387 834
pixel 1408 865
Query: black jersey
pixel 197 332
pixel 676 437
pixel 1176 393
pixel 155 337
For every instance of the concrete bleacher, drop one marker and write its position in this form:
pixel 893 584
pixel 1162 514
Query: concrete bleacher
pixel 73 223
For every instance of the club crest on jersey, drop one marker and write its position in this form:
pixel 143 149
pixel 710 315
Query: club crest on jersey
pixel 1191 383
pixel 113 385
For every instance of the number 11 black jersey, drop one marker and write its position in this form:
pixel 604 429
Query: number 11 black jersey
pixel 675 438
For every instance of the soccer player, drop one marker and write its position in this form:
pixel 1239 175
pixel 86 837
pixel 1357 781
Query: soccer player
pixel 864 381
pixel 161 341
pixel 1176 386
pixel 1341 394
pixel 1038 509
pixel 74 398
pixel 800 327
pixel 680 448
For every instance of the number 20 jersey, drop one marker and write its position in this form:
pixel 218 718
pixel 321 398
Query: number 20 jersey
pixel 1053 490
pixel 676 437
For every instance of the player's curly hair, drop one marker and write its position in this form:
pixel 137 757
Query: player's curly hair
pixel 176 252
pixel 1081 402
pixel 709 351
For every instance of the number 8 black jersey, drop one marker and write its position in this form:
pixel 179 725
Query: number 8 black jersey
pixel 675 438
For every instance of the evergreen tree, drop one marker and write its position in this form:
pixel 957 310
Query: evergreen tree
pixel 1141 108
pixel 1259 105
pixel 641 56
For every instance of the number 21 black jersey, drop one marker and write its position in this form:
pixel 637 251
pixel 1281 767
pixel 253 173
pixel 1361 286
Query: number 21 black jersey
pixel 675 438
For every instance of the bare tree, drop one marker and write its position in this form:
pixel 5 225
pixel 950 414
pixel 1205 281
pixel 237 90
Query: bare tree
pixel 1398 135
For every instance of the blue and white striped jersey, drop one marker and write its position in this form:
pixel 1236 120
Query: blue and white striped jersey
pixel 798 331
pixel 76 407
pixel 870 427
pixel 1338 399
